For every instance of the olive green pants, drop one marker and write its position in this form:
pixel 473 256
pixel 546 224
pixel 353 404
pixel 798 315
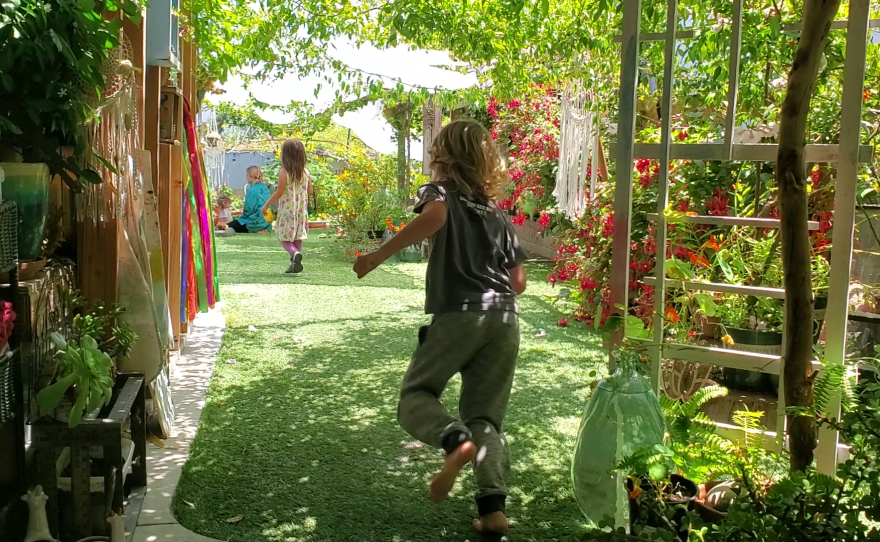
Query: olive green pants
pixel 482 347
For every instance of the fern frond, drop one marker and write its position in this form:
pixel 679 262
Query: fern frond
pixel 825 484
pixel 831 380
pixel 703 396
pixel 749 422
pixel 671 407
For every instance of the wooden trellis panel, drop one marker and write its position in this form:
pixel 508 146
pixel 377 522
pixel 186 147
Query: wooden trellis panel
pixel 848 154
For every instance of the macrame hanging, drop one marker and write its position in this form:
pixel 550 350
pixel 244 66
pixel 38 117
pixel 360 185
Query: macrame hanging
pixel 578 148
pixel 212 148
pixel 112 139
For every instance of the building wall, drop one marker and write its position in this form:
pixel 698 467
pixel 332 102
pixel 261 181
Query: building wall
pixel 236 164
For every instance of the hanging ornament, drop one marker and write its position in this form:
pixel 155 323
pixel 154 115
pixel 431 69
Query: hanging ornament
pixel 578 150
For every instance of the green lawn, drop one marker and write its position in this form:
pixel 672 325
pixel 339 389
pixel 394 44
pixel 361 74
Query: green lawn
pixel 300 436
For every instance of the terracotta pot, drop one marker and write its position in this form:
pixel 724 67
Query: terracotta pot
pixel 704 506
pixel 681 491
pixel 709 326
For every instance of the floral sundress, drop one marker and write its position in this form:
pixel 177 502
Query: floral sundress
pixel 292 223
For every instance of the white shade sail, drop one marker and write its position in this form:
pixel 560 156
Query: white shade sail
pixel 412 68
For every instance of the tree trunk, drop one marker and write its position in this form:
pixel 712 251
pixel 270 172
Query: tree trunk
pixel 792 179
pixel 401 124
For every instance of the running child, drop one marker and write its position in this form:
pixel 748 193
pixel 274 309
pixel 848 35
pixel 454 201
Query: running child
pixel 292 195
pixel 475 273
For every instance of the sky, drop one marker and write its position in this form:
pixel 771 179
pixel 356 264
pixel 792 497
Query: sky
pixel 413 68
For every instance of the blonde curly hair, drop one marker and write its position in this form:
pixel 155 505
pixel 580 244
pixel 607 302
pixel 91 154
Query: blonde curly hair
pixel 465 153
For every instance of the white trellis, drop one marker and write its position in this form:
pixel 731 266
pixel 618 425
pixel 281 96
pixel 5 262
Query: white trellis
pixel 578 150
pixel 847 154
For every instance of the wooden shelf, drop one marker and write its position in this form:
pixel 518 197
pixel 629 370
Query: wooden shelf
pixel 757 291
pixel 755 152
pixel 724 357
pixel 767 223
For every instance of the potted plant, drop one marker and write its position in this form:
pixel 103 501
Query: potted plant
pixel 83 369
pixel 49 90
pixel 84 376
pixel 45 109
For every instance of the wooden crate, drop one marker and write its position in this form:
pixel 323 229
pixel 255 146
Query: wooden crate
pixel 49 438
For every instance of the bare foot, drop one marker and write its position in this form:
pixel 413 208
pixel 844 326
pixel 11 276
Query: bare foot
pixel 494 523
pixel 443 481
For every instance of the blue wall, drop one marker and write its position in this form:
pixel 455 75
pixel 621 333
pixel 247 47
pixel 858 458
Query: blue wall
pixel 237 163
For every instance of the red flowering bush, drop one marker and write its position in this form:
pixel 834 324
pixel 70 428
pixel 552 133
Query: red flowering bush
pixel 528 130
pixel 583 263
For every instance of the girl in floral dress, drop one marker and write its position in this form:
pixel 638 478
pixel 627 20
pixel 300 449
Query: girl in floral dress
pixel 292 196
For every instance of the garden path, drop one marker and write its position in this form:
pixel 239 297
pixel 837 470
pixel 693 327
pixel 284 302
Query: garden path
pixel 298 439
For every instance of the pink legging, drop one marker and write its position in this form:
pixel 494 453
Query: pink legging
pixel 292 247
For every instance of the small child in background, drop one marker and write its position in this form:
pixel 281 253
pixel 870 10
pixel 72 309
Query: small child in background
pixel 292 195
pixel 475 273
pixel 223 213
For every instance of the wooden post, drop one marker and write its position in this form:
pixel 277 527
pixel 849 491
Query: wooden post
pixel 836 315
pixel 626 127
pixel 98 259
pixel 663 195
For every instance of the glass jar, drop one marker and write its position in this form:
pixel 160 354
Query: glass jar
pixel 623 416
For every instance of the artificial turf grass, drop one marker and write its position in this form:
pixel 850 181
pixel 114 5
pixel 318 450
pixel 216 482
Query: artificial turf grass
pixel 300 435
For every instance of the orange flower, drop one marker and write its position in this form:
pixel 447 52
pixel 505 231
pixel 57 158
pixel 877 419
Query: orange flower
pixel 691 213
pixel 866 95
pixel 698 260
pixel 358 254
pixel 727 339
pixel 671 314
pixel 712 243
pixel 634 494
pixel 403 224
pixel 388 221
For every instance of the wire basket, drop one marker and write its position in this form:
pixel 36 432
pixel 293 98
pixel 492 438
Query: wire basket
pixel 8 236
pixel 9 386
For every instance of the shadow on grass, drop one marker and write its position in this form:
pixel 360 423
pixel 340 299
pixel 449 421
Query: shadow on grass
pixel 299 435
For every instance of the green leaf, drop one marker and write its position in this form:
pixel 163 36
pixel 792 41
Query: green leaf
pixel 706 304
pixel 90 176
pixel 50 397
pixel 7 82
pixel 9 126
pixel 725 267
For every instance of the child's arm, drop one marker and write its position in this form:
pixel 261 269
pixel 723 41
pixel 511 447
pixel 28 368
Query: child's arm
pixel 311 186
pixel 429 221
pixel 518 279
pixel 273 199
